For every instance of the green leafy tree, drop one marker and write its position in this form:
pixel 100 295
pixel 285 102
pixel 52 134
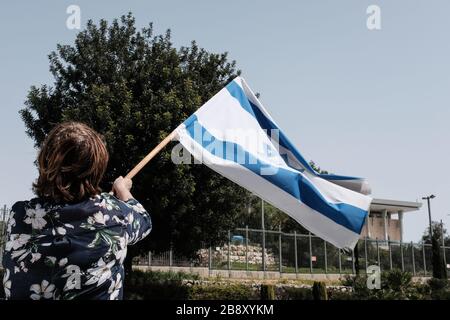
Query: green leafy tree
pixel 273 217
pixel 317 168
pixel 134 87
pixel 438 230
pixel 439 233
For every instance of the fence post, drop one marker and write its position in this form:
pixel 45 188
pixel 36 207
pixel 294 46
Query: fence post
pixel 325 255
pixel 365 252
pixel 401 255
pixel 378 254
pixel 246 248
pixel 210 259
pixel 443 245
pixel 263 238
pixel 413 259
pixel 445 257
pixel 170 257
pixel 340 262
pixel 229 253
pixel 424 262
pixel 353 261
pixel 310 254
pixel 280 257
pixel 295 253
pixel 149 258
pixel 390 254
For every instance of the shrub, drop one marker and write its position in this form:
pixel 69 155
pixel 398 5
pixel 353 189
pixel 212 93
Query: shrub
pixel 339 295
pixel 439 289
pixel 438 284
pixel 319 291
pixel 222 292
pixel 164 275
pixel 155 286
pixel 267 292
pixel 395 285
pixel 169 286
pixel 396 280
pixel 292 293
pixel 359 286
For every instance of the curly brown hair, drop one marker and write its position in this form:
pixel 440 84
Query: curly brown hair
pixel 72 161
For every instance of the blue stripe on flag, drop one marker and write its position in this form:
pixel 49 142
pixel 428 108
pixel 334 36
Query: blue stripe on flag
pixel 238 93
pixel 337 178
pixel 294 183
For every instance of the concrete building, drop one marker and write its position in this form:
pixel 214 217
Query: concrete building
pixel 385 220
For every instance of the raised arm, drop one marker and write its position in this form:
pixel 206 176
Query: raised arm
pixel 139 221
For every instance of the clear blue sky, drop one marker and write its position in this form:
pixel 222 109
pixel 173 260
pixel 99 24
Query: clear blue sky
pixel 368 103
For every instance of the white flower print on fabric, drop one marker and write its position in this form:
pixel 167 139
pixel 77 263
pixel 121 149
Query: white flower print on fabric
pixel 100 218
pixel 109 203
pixel 44 290
pixel 23 267
pixel 35 217
pixel 59 231
pixel 146 233
pixel 17 241
pixel 116 219
pixel 62 262
pixel 121 251
pixel 50 261
pixel 130 218
pixel 21 246
pixel 114 288
pixel 35 257
pixel 138 208
pixel 11 223
pixel 135 227
pixel 22 254
pixel 7 284
pixel 96 219
pixel 101 273
pixel 31 251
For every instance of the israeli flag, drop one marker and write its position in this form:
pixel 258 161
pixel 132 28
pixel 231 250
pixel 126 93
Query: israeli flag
pixel 234 135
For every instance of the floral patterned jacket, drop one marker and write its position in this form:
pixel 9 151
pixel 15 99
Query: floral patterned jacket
pixel 73 250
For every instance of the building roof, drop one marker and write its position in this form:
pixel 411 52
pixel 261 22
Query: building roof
pixel 394 206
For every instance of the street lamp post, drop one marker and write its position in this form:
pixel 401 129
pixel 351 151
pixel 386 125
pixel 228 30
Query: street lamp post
pixel 443 245
pixel 428 198
pixel 438 264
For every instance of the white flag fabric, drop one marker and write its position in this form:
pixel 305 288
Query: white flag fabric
pixel 233 134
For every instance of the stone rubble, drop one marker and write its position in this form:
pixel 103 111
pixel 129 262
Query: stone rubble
pixel 237 254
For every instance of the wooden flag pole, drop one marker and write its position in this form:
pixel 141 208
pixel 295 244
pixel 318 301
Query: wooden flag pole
pixel 150 156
